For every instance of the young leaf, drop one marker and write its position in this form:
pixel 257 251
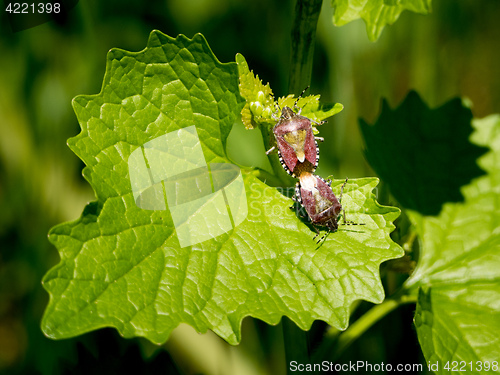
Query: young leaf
pixel 423 154
pixel 260 105
pixel 459 269
pixel 124 266
pixel 375 13
pixel 311 107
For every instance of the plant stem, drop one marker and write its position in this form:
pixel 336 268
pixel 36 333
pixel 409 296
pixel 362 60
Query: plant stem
pixel 360 326
pixel 301 62
pixel 296 344
pixel 303 40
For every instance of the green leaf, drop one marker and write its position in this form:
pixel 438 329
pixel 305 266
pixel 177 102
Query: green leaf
pixel 459 270
pixel 375 13
pixel 311 108
pixel 123 266
pixel 423 154
pixel 260 104
pixel 259 98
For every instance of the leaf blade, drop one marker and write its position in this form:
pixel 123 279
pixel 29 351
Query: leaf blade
pixel 429 148
pixel 375 13
pixel 457 278
pixel 123 266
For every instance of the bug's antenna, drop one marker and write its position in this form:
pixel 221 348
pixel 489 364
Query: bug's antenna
pixel 277 106
pixel 300 97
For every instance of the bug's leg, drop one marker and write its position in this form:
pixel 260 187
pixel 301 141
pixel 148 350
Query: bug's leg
pixel 323 238
pixel 296 198
pixel 329 182
pixel 349 222
pixel 296 193
pixel 270 150
pixel 344 220
pixel 319 122
pixel 342 190
pixel 317 233
pixel 319 139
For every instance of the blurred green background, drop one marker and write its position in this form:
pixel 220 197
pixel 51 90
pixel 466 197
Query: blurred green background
pixel 455 51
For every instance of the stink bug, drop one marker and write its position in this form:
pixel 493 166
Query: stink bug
pixel 297 146
pixel 322 206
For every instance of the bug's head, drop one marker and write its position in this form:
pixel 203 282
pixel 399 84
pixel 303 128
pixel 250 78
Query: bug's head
pixel 332 225
pixel 287 113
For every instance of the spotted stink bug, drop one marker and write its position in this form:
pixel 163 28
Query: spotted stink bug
pixel 297 146
pixel 322 206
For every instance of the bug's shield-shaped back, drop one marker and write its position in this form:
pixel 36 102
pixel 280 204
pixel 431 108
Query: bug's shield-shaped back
pixel 296 143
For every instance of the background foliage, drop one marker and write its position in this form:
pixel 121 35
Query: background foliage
pixel 449 53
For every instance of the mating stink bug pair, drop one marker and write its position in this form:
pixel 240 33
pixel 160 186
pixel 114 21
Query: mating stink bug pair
pixel 298 153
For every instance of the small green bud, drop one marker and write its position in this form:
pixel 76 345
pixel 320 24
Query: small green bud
pixel 261 97
pixel 256 108
pixel 267 113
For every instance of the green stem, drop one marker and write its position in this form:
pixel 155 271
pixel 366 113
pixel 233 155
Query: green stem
pixel 368 320
pixel 268 178
pixel 296 344
pixel 303 40
pixel 301 63
pixel 359 327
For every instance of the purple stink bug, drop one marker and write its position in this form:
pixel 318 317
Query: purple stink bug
pixel 297 146
pixel 322 206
